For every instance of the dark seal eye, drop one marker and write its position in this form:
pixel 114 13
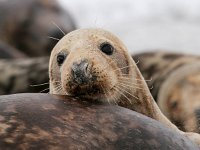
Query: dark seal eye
pixel 60 59
pixel 107 48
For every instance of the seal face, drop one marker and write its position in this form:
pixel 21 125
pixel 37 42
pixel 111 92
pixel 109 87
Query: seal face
pixel 88 63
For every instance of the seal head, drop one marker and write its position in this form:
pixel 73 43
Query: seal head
pixel 86 63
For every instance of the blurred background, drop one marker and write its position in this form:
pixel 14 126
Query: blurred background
pixel 143 25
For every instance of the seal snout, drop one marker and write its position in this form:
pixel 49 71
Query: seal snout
pixel 81 72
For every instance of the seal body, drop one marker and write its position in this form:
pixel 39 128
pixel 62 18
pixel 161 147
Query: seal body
pixel 159 65
pixel 18 76
pixel 175 78
pixel 42 121
pixel 94 64
pixel 26 25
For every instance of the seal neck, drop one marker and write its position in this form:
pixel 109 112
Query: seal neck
pixel 143 102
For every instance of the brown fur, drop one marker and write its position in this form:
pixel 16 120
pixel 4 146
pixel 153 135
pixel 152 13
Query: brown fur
pixel 84 44
pixel 175 78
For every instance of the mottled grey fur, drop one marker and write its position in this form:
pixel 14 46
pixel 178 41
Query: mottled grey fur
pixel 17 76
pixel 158 65
pixel 182 108
pixel 40 121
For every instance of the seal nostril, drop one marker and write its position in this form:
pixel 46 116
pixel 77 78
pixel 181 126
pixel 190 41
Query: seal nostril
pixel 85 67
pixel 81 72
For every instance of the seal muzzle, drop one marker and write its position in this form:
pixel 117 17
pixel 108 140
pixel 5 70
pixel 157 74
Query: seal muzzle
pixel 81 72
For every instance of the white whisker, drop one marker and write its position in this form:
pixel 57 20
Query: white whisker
pixel 128 78
pixel 53 38
pixel 115 99
pixel 58 88
pixel 33 85
pixel 59 28
pixel 127 81
pixel 148 80
pixel 44 90
pixel 129 93
pixel 122 94
pixel 112 61
pixel 138 61
pixel 124 67
pixel 107 99
pixel 131 86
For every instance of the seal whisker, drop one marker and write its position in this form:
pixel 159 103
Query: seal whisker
pixel 127 81
pixel 33 85
pixel 129 92
pixel 108 96
pixel 148 80
pixel 105 94
pixel 108 65
pixel 44 90
pixel 117 89
pixel 131 86
pixel 151 87
pixel 124 67
pixel 59 28
pixel 138 61
pixel 124 77
pixel 121 67
pixel 50 37
pixel 115 99
pixel 58 88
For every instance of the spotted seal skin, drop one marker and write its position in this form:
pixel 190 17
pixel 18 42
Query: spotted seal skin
pixel 95 65
pixel 158 65
pixel 180 101
pixel 41 121
pixel 175 78
pixel 17 76
pixel 26 25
